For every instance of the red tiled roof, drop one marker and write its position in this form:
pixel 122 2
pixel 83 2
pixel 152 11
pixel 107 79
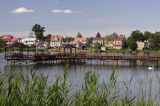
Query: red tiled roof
pixel 60 37
pixel 80 39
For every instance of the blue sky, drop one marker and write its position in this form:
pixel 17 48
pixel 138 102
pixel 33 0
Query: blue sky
pixel 67 17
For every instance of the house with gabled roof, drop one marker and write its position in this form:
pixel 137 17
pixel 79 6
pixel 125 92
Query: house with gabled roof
pixel 114 42
pixel 56 41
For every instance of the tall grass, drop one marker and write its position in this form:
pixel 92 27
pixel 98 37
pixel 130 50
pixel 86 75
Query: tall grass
pixel 34 90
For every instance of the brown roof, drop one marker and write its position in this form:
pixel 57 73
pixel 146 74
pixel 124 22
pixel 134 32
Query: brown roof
pixel 113 38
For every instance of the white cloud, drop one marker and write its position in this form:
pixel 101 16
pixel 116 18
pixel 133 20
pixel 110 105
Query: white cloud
pixel 22 10
pixel 57 11
pixel 65 11
pixel 68 11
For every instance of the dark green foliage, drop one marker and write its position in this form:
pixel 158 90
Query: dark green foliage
pixel 47 38
pixel 38 30
pixel 138 36
pixel 114 34
pixel 79 35
pixel 155 41
pixel 89 42
pixel 125 44
pixel 2 43
pixel 68 39
pixel 132 44
pixel 148 35
pixel 98 35
pixel 97 47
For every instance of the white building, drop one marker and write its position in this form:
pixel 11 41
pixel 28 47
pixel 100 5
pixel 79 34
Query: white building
pixel 56 41
pixel 29 41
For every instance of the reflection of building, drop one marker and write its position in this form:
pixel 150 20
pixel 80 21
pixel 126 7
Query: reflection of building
pixel 56 41
pixel 142 45
pixel 114 42
pixel 99 40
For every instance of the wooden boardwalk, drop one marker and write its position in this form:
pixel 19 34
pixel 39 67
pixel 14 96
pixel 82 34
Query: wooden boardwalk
pixel 77 56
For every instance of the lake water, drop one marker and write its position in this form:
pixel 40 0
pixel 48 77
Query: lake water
pixel 142 77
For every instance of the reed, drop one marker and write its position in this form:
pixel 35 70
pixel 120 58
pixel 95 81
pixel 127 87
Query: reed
pixel 35 90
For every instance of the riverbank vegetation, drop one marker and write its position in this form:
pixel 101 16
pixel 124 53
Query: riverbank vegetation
pixel 36 90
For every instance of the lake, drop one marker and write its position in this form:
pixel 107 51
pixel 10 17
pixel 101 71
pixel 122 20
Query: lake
pixel 140 77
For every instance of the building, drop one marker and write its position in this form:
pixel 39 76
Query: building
pixel 9 39
pixel 80 41
pixel 114 42
pixel 141 45
pixel 56 41
pixel 99 40
pixel 28 41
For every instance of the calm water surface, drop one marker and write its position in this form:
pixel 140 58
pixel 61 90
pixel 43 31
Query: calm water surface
pixel 142 77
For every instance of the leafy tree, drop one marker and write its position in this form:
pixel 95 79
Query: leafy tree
pixel 147 35
pixel 89 42
pixel 132 44
pixel 97 47
pixel 2 43
pixel 98 35
pixel 125 44
pixel 138 36
pixel 47 38
pixel 68 39
pixel 114 34
pixel 155 41
pixel 38 30
pixel 79 35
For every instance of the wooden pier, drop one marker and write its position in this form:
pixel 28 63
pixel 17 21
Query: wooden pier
pixel 72 56
pixel 76 57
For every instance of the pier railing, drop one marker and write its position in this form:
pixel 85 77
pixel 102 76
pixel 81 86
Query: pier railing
pixel 50 57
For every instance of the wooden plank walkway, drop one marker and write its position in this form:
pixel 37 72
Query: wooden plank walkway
pixel 77 56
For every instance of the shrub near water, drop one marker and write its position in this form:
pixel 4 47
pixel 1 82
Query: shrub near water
pixel 34 90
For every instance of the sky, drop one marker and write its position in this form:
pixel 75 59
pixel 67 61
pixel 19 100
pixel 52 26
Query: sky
pixel 68 17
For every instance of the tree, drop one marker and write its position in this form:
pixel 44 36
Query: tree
pixel 38 30
pixel 132 44
pixel 114 34
pixel 2 43
pixel 89 42
pixel 147 35
pixel 98 35
pixel 47 38
pixel 97 47
pixel 68 39
pixel 124 45
pixel 79 35
pixel 138 36
pixel 155 41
